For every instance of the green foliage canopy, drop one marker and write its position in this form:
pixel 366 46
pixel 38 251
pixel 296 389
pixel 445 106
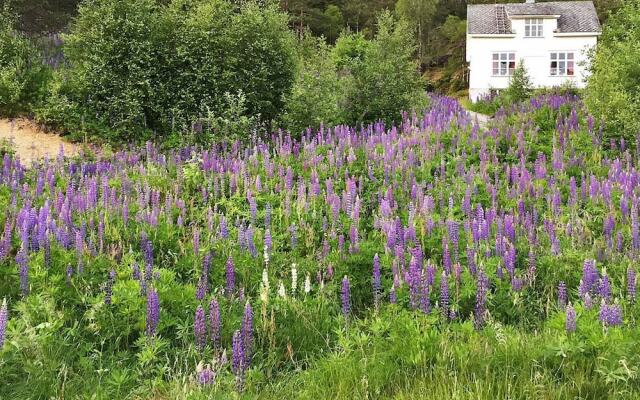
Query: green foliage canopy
pixel 137 65
pixel 21 70
pixel 382 77
pixel 613 92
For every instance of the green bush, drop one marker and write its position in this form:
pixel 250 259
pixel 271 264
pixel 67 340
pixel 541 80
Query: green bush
pixel 613 93
pixel 252 53
pixel 23 77
pixel 140 67
pixel 316 93
pixel 356 81
pixel 381 77
pixel 520 86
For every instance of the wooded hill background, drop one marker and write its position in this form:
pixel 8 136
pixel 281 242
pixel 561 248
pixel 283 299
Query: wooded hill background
pixel 440 26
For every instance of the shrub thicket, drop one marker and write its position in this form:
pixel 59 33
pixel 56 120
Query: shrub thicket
pixel 137 66
pixel 22 74
pixel 316 93
pixel 613 93
pixel 211 70
pixel 381 77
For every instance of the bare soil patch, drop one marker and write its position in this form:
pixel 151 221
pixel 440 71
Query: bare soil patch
pixel 30 142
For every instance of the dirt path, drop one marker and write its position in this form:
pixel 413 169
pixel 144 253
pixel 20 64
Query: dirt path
pixel 482 118
pixel 30 142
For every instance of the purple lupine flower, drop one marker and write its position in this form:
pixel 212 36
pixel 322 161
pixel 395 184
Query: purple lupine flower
pixel 444 295
pixel 425 292
pixel 293 231
pixel 453 230
pixel 590 277
pixel 196 242
pixel 206 265
pixel 393 297
pixel 250 242
pixel 247 332
pixel 4 319
pixel 562 295
pixel 631 284
pixel 377 285
pixel 153 312
pixel 446 256
pixel 471 254
pixel 215 323
pixel 635 230
pixel 147 250
pixel 353 239
pixel 223 230
pixel 206 376
pixel 253 207
pixel 413 280
pixel 329 274
pixel 481 299
pixel 47 252
pixel 135 273
pixel 202 288
pixel 200 329
pixel 238 365
pixel 588 302
pixel 610 314
pixel 346 298
pixel 267 240
pixel 231 277
pixel 604 287
pixel 23 264
pixel 267 215
pixel 570 321
pixel 79 243
pixel 108 290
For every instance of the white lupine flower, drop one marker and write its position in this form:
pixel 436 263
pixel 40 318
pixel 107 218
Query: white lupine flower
pixel 281 290
pixel 294 279
pixel 200 367
pixel 266 255
pixel 307 284
pixel 264 293
pixel 265 279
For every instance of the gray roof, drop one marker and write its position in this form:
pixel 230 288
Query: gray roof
pixel 575 16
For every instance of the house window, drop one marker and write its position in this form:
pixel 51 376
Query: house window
pixel 504 64
pixel 533 27
pixel 562 64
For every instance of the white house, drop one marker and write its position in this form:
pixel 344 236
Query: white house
pixel 551 38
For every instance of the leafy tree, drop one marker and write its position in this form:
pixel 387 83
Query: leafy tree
pixel 43 16
pixel 384 78
pixel 607 7
pixel 520 86
pixel 112 49
pixel 449 45
pixel 350 50
pixel 316 93
pixel 22 75
pixel 420 14
pixel 334 22
pixel 613 92
pixel 138 65
pixel 361 15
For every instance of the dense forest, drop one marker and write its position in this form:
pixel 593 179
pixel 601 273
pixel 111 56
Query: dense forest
pixel 439 26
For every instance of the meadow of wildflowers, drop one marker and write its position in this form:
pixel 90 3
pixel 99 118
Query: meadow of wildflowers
pixel 433 258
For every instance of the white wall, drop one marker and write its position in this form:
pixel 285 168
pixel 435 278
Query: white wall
pixel 534 51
